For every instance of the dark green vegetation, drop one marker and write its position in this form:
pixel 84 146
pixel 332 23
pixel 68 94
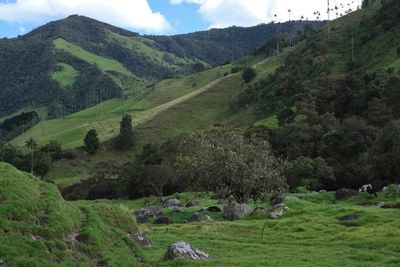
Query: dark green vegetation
pixel 337 104
pixel 76 63
pixel 38 228
pixel 92 143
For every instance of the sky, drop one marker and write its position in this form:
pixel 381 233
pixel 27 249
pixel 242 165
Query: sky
pixel 165 17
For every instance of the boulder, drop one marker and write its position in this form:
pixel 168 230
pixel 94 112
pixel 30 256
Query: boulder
pixel 381 204
pixel 197 217
pixel 144 214
pixel 322 191
pixel 280 206
pixel 163 220
pixel 214 209
pixel 277 211
pixel 141 239
pixel 345 193
pixel 183 250
pixel 173 202
pixel 275 200
pixel 192 203
pixel 235 211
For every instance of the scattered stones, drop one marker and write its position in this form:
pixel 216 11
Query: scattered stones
pixel 177 209
pixel 350 217
pixel 235 211
pixel 192 203
pixel 173 202
pixel 144 214
pixel 345 193
pixel 214 209
pixel 183 250
pixel 163 220
pixel 141 239
pixel 201 217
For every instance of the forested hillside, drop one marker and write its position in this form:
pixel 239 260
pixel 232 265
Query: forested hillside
pixel 75 63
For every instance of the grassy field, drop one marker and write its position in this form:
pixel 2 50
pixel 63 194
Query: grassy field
pixel 310 234
pixel 66 75
pixel 38 228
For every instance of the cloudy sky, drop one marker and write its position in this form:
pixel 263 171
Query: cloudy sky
pixel 160 16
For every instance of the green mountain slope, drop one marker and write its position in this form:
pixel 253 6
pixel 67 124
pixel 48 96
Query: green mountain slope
pixel 76 63
pixel 38 228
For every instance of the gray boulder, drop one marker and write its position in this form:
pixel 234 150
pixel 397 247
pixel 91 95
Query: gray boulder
pixel 235 211
pixel 144 214
pixel 223 201
pixel 172 203
pixel 322 191
pixel 183 250
pixel 345 193
pixel 277 211
pixel 163 220
pixel 192 203
pixel 141 239
pixel 201 217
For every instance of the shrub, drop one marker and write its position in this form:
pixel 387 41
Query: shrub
pixel 92 142
pixel 392 192
pixel 249 74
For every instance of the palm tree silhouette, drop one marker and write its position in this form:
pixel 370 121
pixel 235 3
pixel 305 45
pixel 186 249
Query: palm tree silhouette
pixel 32 145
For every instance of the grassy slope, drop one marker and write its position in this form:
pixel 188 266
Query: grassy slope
pixel 310 234
pixel 105 64
pixel 38 228
pixel 66 75
pixel 105 116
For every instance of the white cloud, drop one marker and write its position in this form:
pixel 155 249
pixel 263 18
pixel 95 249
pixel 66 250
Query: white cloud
pixel 133 14
pixel 223 13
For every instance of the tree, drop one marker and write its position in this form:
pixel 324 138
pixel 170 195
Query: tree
pixel 249 74
pixel 230 165
pixel 92 142
pixel 125 139
pixel 32 145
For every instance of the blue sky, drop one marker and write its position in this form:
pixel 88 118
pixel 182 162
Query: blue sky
pixel 160 16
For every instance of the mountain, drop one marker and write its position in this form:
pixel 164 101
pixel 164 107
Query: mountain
pixel 75 63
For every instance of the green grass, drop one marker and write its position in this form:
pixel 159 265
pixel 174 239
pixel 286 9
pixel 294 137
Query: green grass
pixel 112 67
pixel 271 122
pixel 65 76
pixel 41 111
pixel 310 234
pixel 38 228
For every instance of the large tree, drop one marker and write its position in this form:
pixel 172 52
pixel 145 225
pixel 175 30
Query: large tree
pixel 229 164
pixel 125 139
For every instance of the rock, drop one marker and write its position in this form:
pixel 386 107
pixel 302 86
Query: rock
pixel 345 193
pixel 275 200
pixel 322 191
pixel 172 202
pixel 183 250
pixel 223 201
pixel 381 204
pixel 275 214
pixel 350 217
pixel 201 217
pixel 163 220
pixel 141 239
pixel 314 192
pixel 177 209
pixel 280 206
pixel 214 209
pixel 235 211
pixel 144 214
pixel 394 206
pixel 192 203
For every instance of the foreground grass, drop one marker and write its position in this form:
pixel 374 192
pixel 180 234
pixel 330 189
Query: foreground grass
pixel 310 234
pixel 38 228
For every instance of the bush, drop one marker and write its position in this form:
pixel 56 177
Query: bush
pixel 392 192
pixel 249 74
pixel 125 139
pixel 92 142
pixel 398 51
